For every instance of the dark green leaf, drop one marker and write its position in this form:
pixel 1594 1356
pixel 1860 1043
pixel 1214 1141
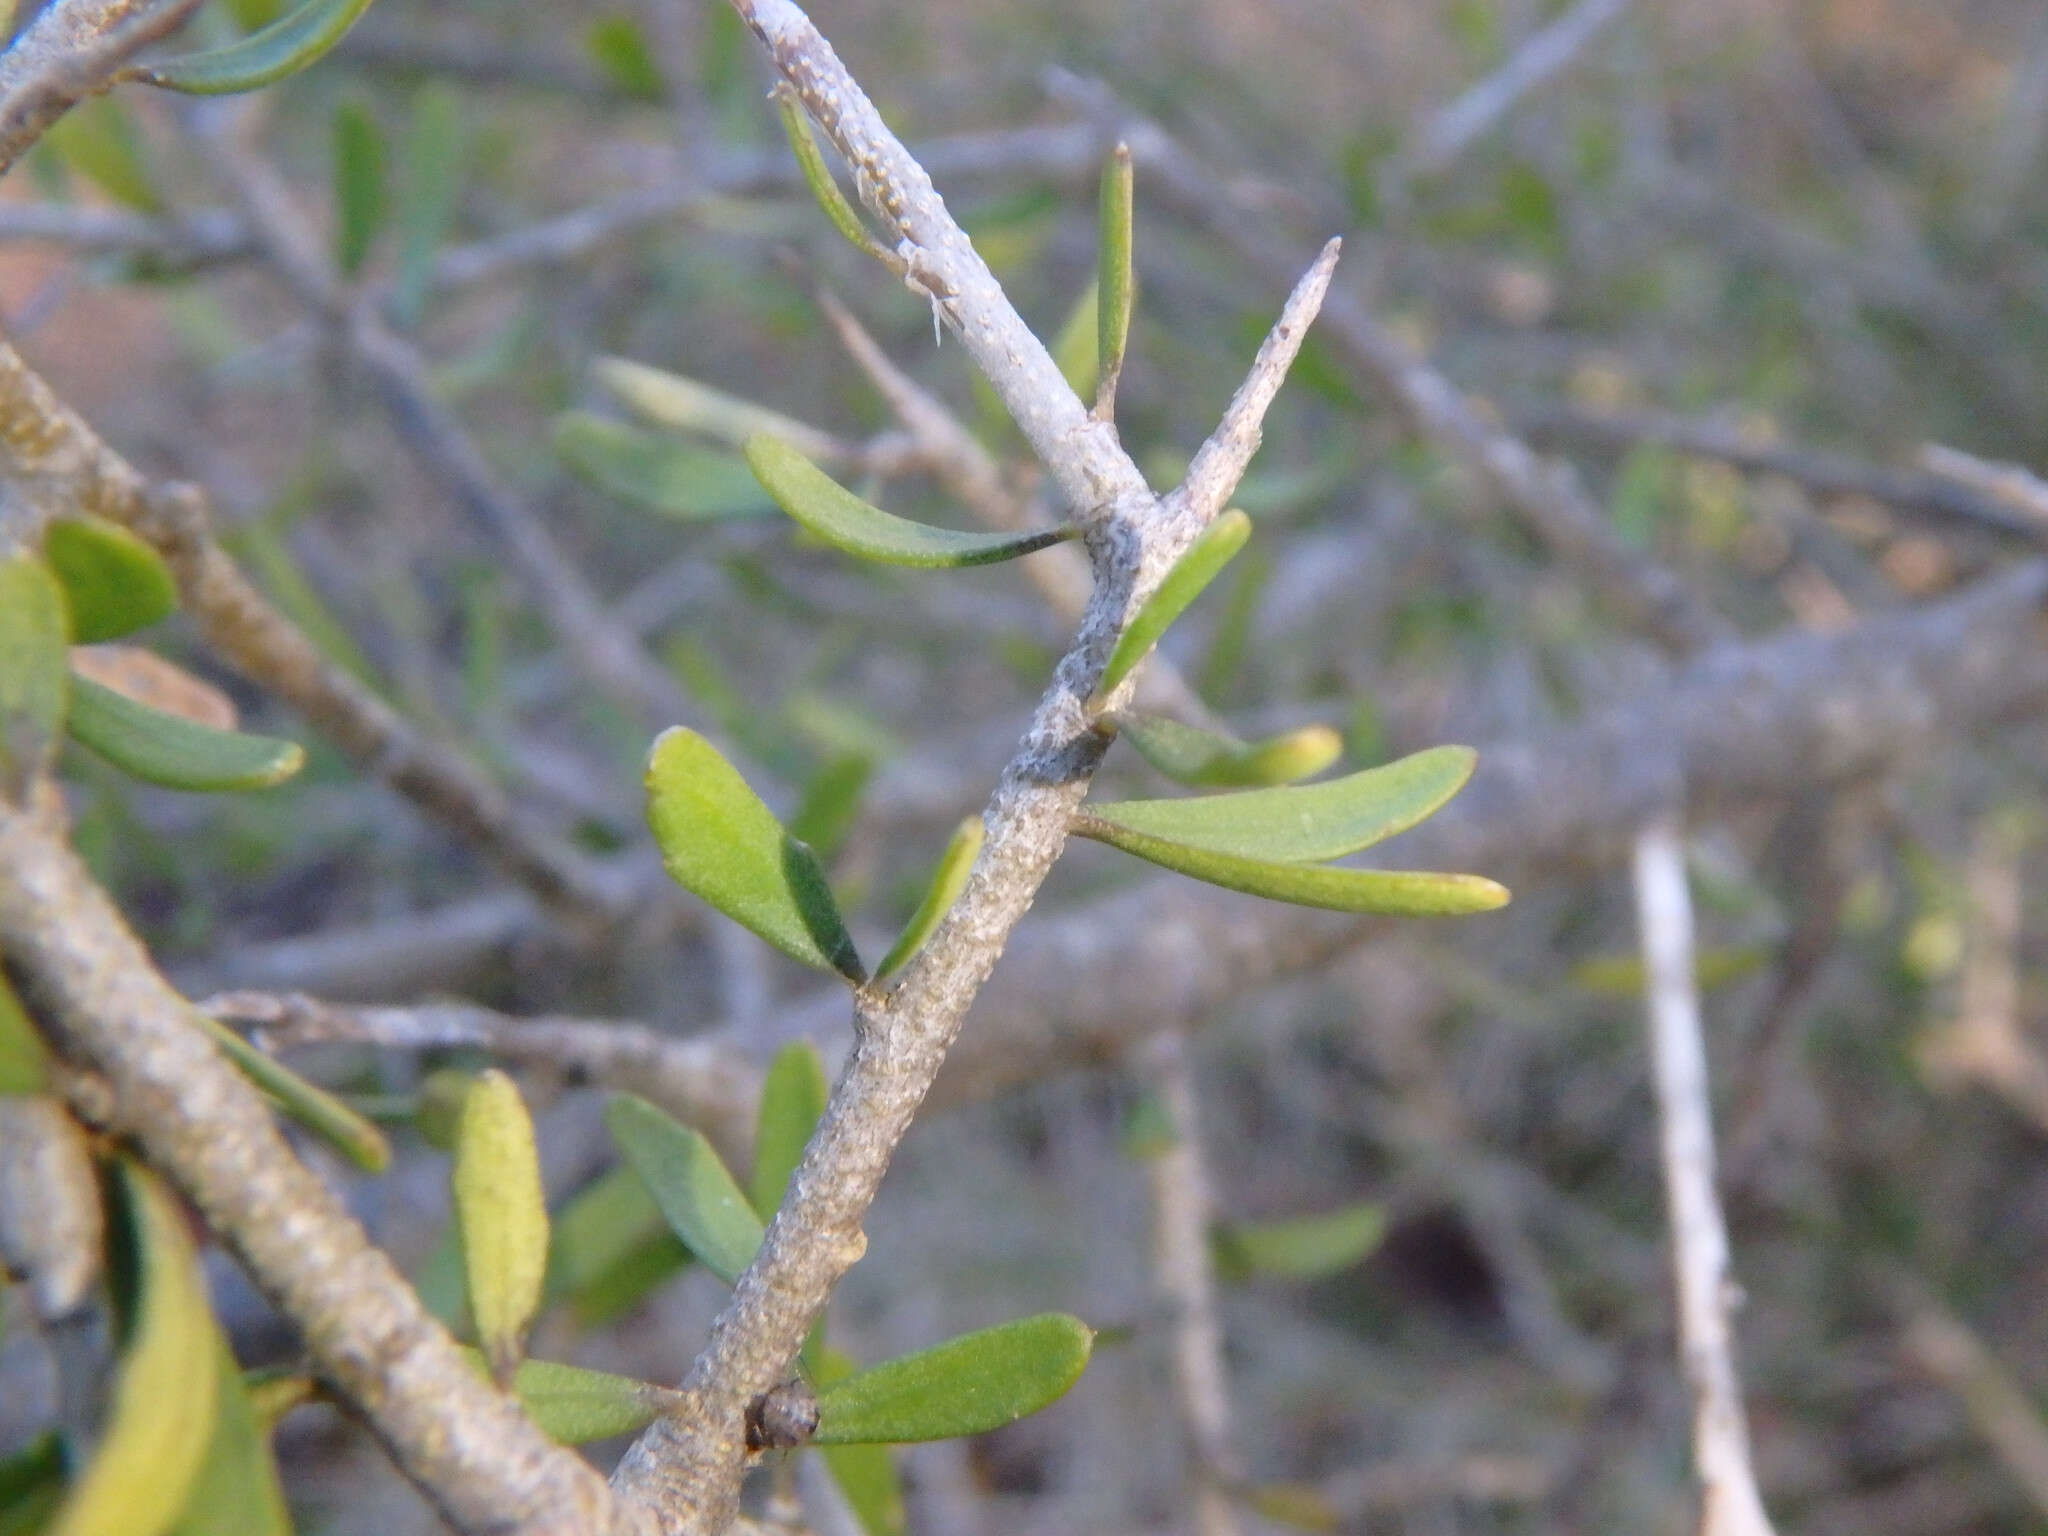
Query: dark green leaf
pixel 866 1475
pixel 839 517
pixel 237 1491
pixel 1303 823
pixel 1199 565
pixel 1113 283
pixel 818 177
pixel 31 1486
pixel 115 583
pixel 1213 760
pixel 656 471
pixel 24 1055
pixel 172 751
pixel 1301 1247
pixel 1390 893
pixel 831 803
pixel 947 882
pixel 792 1100
pixel 501 1211
pixel 697 1194
pixel 619 48
pixel 283 48
pixel 574 1406
pixel 361 201
pixel 33 671
pixel 312 1106
pixel 966 1386
pixel 720 842
pixel 161 1417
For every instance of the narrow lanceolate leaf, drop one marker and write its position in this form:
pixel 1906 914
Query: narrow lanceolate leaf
pixel 839 517
pixel 1214 760
pixel 1113 283
pixel 574 1406
pixel 658 472
pixel 966 1386
pixel 283 48
pixel 160 1420
pixel 670 400
pixel 237 1488
pixel 24 1055
pixel 1301 1247
pixel 948 881
pixel 697 1193
pixel 792 1102
pixel 720 842
pixel 609 1247
pixel 845 218
pixel 1197 567
pixel 114 582
pixel 33 679
pixel 349 1132
pixel 171 750
pixel 361 201
pixel 1390 893
pixel 1303 823
pixel 1073 349
pixel 502 1212
pixel 866 1474
pixel 97 140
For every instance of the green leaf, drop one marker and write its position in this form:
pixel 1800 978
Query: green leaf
pixel 653 471
pixel 609 1247
pixel 831 803
pixel 697 1194
pixel 24 1055
pixel 361 199
pixel 839 517
pixel 283 48
pixel 680 404
pixel 33 672
pixel 619 48
pixel 172 751
pixel 161 1417
pixel 796 123
pixel 1114 286
pixel 312 1106
pixel 32 1486
pixel 792 1102
pixel 574 1406
pixel 966 1386
pixel 1300 1247
pixel 502 1213
pixel 237 1490
pixel 1622 975
pixel 1073 349
pixel 1215 760
pixel 1198 565
pixel 866 1475
pixel 1302 823
pixel 947 882
pixel 116 584
pixel 720 842
pixel 97 140
pixel 436 149
pixel 1299 1506
pixel 1390 893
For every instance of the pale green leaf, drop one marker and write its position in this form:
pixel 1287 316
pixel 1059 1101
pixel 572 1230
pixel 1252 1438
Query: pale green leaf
pixel 236 1492
pixel 966 1386
pixel 24 1055
pixel 720 842
pixel 697 1193
pixel 947 882
pixel 97 140
pixel 1073 349
pixel 1301 1247
pixel 1198 565
pixel 1622 975
pixel 792 1100
pixel 319 1111
pixel 33 671
pixel 574 1406
pixel 502 1213
pixel 165 1397
pixel 841 518
pixel 361 198
pixel 796 123
pixel 664 399
pixel 269 54
pixel 114 582
pixel 658 472
pixel 1390 893
pixel 1303 823
pixel 609 1247
pixel 1113 282
pixel 1214 760
pixel 172 751
pixel 436 151
pixel 1299 1506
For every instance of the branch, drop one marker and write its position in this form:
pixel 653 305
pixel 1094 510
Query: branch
pixel 1699 1235
pixel 469 1447
pixel 69 52
pixel 61 468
